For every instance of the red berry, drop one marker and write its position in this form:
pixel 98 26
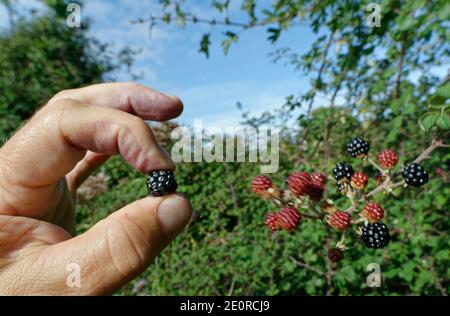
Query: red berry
pixel 299 183
pixel 288 218
pixel 340 220
pixel 317 186
pixel 387 158
pixel 262 186
pixel 359 181
pixel 318 179
pixel 373 212
pixel 335 255
pixel 272 221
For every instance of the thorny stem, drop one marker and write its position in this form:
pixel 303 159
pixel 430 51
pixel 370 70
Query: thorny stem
pixel 373 163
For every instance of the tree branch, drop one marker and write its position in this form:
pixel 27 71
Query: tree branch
pixel 307 266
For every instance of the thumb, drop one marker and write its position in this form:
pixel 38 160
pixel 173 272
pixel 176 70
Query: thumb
pixel 121 246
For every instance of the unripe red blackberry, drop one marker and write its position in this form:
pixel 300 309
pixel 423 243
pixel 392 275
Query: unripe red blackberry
pixel 317 186
pixel 288 218
pixel 318 179
pixel 299 183
pixel 387 159
pixel 262 186
pixel 373 212
pixel 261 183
pixel 340 220
pixel 272 221
pixel 335 255
pixel 359 181
pixel 358 147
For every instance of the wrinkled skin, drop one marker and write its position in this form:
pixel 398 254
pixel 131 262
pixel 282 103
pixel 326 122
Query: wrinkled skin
pixel 45 162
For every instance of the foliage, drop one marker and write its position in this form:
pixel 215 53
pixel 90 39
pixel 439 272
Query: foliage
pixel 372 93
pixel 42 56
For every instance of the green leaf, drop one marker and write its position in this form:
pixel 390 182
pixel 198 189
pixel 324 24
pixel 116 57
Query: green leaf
pixel 443 121
pixel 436 100
pixel 274 34
pixel 428 120
pixel 204 44
pixel 396 124
pixel 444 91
pixel 232 38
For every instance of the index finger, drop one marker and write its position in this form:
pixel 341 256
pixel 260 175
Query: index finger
pixel 133 98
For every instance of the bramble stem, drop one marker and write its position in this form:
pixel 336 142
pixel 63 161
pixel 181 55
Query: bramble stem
pixel 377 166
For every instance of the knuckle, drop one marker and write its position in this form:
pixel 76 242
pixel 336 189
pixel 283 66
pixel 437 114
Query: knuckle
pixel 63 94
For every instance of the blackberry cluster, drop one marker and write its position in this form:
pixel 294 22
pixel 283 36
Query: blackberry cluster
pixel 358 147
pixel 343 172
pixel 415 175
pixel 161 182
pixel 376 235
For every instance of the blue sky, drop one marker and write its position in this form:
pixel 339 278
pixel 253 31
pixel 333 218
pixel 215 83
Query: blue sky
pixel 171 63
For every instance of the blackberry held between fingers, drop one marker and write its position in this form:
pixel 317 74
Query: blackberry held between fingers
pixel 415 175
pixel 343 172
pixel 161 182
pixel 376 235
pixel 358 147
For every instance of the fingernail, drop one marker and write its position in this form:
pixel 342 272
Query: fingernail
pixel 173 213
pixel 172 96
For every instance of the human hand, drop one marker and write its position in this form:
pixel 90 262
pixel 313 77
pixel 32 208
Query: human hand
pixel 45 162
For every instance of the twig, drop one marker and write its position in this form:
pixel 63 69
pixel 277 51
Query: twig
pixel 436 143
pixel 329 274
pixel 373 163
pixel 307 266
pixel 230 291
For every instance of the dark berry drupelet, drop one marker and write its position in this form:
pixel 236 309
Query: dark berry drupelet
pixel 415 175
pixel 343 172
pixel 161 182
pixel 376 235
pixel 358 147
pixel 335 255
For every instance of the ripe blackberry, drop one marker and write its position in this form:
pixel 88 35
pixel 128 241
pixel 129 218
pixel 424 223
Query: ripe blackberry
pixel 373 212
pixel 161 182
pixel 359 181
pixel 299 183
pixel 387 158
pixel 376 235
pixel 288 218
pixel 358 147
pixel 343 172
pixel 317 186
pixel 415 175
pixel 335 255
pixel 340 220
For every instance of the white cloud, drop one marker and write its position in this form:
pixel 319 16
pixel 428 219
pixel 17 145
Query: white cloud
pixel 215 103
